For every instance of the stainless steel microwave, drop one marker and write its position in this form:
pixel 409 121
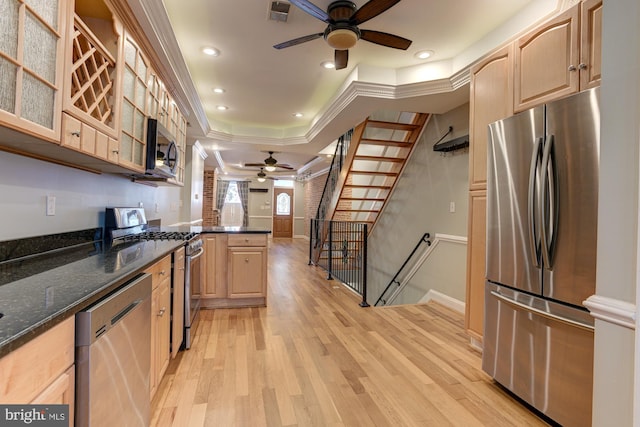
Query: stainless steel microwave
pixel 162 152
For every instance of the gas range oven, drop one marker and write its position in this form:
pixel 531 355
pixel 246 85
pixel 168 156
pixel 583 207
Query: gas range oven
pixel 124 227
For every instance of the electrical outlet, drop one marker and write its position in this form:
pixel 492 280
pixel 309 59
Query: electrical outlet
pixel 51 205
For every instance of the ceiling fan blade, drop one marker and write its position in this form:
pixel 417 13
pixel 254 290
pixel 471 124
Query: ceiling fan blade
pixel 385 39
pixel 254 165
pixel 298 40
pixel 371 9
pixel 341 58
pixel 311 9
pixel 283 166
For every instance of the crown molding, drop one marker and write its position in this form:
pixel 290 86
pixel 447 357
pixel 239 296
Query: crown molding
pixel 152 17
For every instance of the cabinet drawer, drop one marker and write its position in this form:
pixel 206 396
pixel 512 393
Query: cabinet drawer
pixel 29 370
pixel 160 270
pixel 247 240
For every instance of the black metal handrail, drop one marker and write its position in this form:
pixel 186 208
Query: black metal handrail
pixel 345 246
pixel 423 239
pixel 337 162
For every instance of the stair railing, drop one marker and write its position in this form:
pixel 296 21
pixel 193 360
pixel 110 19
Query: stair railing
pixel 342 148
pixel 384 299
pixel 344 245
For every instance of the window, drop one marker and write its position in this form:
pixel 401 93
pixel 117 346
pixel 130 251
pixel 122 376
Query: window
pixel 283 183
pixel 232 194
pixel 283 204
pixel 232 213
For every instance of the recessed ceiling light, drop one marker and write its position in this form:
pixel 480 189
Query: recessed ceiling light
pixel 222 107
pixel 219 90
pixel 424 54
pixel 298 114
pixel 211 51
pixel 328 64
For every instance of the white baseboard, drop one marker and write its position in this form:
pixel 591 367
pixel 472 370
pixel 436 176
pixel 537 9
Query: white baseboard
pixel 475 343
pixel 443 299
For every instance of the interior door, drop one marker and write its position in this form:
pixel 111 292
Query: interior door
pixel 283 212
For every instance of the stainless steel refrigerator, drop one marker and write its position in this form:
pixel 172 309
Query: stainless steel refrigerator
pixel 542 197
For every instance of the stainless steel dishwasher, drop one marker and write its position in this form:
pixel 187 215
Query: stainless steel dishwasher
pixel 113 346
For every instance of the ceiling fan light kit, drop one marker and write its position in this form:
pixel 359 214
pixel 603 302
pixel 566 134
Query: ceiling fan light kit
pixel 342 32
pixel 342 39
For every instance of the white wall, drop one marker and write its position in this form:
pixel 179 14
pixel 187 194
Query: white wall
pixel 298 209
pixel 617 282
pixel 81 198
pixel 420 203
pixel 261 207
pixel 193 192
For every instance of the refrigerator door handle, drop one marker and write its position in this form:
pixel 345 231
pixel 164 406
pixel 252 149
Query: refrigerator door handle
pixel 534 220
pixel 542 313
pixel 549 214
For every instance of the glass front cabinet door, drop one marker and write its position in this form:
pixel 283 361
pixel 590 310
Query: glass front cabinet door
pixel 31 66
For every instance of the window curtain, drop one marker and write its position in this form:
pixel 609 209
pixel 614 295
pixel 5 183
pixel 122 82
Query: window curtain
pixel 221 194
pixel 243 192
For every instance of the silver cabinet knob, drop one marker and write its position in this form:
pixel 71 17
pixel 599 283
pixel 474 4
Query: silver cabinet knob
pixel 76 133
pixel 582 66
pixel 572 68
pixel 161 312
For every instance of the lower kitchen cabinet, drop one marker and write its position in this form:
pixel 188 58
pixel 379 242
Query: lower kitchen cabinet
pixel 177 302
pixel 236 270
pixel 42 370
pixel 476 263
pixel 215 266
pixel 160 321
pixel 247 272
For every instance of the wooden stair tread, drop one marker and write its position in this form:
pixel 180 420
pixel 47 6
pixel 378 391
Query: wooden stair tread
pixel 381 159
pixel 362 199
pixel 376 173
pixel 392 125
pixel 377 187
pixel 386 142
pixel 358 210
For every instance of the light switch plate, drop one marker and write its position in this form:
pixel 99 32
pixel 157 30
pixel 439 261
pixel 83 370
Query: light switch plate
pixel 51 205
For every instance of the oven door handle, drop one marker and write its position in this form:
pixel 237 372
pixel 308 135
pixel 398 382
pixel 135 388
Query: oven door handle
pixel 197 254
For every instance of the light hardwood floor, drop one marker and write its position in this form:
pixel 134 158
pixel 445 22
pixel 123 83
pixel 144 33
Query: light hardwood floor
pixel 313 357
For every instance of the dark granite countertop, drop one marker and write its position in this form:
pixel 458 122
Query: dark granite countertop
pixel 69 272
pixel 31 305
pixel 219 229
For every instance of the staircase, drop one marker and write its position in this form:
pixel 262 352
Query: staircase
pixel 378 153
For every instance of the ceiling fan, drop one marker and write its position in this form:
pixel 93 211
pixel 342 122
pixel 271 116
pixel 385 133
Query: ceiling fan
pixel 263 176
pixel 270 164
pixel 342 32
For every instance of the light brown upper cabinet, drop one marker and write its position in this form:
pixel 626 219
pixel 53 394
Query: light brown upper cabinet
pixel 90 113
pixel 591 44
pixel 560 57
pixel 491 99
pixel 135 78
pixel 31 66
